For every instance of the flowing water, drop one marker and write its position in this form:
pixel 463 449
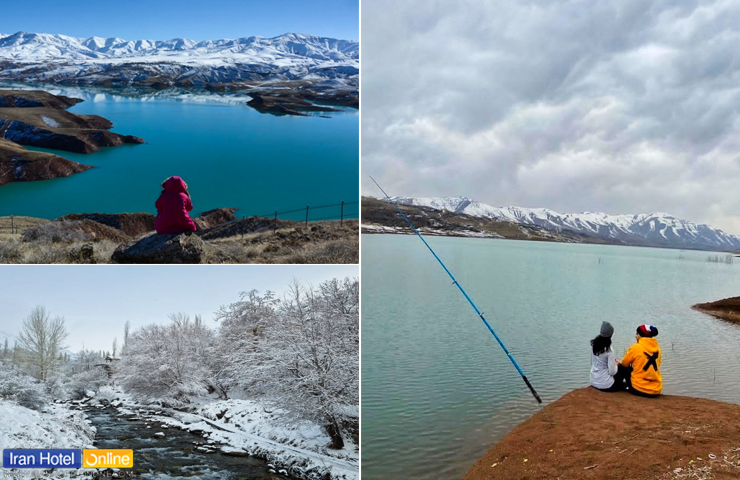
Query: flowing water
pixel 437 391
pixel 173 456
pixel 229 154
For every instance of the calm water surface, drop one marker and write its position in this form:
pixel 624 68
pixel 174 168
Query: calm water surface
pixel 437 391
pixel 230 155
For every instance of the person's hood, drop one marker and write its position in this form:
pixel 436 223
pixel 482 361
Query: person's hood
pixel 649 343
pixel 174 185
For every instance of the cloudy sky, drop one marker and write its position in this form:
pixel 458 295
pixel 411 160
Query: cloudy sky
pixel 96 301
pixel 621 106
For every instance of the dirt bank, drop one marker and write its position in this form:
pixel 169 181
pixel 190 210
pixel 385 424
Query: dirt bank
pixel 587 434
pixel 726 309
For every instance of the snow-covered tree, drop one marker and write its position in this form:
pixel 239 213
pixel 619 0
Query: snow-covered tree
pixel 168 361
pixel 243 326
pixel 306 357
pixel 41 339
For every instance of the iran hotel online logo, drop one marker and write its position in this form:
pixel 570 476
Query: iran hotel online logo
pixel 67 458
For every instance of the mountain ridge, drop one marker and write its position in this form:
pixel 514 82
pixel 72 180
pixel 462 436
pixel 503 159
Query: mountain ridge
pixel 657 228
pixel 322 64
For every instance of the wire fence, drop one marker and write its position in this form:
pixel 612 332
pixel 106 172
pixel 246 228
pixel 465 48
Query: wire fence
pixel 340 212
pixel 12 227
pixel 298 213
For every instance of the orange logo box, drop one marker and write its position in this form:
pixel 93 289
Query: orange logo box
pixel 106 458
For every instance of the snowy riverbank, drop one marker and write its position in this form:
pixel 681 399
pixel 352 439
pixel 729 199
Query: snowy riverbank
pixel 242 427
pixel 54 427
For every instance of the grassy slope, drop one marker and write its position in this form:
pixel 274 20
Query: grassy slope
pixel 322 242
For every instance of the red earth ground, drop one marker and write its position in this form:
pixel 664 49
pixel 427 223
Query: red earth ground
pixel 587 434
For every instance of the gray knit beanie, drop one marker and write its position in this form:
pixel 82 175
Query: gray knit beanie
pixel 606 330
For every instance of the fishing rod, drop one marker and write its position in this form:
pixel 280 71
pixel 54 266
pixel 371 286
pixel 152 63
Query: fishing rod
pixel 465 294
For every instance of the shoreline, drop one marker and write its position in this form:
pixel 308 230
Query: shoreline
pixel 424 232
pixel 727 309
pixel 589 434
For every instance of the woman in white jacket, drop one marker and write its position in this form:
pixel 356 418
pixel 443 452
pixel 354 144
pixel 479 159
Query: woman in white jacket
pixel 605 372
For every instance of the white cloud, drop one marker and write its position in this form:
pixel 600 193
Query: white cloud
pixel 618 106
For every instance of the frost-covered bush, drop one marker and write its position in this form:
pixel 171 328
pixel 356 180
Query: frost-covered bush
pixel 22 389
pixel 168 362
pixel 107 393
pixel 81 383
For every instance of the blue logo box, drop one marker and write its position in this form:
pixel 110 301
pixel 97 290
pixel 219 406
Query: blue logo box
pixel 42 458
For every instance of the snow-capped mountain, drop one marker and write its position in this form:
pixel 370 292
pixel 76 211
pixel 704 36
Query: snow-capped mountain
pixel 59 58
pixel 658 229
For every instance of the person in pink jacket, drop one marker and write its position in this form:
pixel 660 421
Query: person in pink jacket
pixel 173 206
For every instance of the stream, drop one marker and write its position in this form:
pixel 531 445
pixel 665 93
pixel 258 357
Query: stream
pixel 175 455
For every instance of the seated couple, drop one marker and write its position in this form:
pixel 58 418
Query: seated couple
pixel 639 370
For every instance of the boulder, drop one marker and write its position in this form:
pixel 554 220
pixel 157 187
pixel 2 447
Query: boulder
pixel 156 248
pixel 232 452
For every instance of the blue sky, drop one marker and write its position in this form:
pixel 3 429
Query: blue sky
pixel 96 301
pixel 197 20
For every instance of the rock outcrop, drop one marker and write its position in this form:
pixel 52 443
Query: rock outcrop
pixel 158 249
pixel 278 103
pixel 18 164
pixel 35 98
pixel 60 130
pixel 727 309
pixel 38 119
pixel 136 224
pixel 217 216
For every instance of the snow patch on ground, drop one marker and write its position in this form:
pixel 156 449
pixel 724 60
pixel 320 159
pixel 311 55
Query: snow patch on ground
pixel 50 122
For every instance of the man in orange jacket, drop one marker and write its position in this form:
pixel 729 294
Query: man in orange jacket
pixel 645 357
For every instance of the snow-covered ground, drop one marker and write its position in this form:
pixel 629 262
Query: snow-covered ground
pixel 55 427
pixel 367 228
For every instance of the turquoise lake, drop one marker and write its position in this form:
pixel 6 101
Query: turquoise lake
pixel 438 391
pixel 229 154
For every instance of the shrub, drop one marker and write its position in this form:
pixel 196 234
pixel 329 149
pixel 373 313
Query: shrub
pixel 22 389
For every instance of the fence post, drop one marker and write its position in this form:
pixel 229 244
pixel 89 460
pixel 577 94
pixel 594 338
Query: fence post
pixel 341 215
pixel 306 216
pixel 243 217
pixel 274 228
pixel 12 224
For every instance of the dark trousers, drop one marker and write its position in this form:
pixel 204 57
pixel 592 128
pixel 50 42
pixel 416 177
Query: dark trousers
pixel 621 380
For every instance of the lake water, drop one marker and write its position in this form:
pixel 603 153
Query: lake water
pixel 229 154
pixel 437 390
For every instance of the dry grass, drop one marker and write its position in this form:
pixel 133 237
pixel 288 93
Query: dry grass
pixel 21 224
pixel 60 242
pixel 322 242
pixel 14 250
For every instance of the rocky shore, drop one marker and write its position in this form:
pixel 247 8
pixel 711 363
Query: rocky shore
pixel 18 164
pixel 727 309
pixel 38 118
pixel 298 101
pixel 587 434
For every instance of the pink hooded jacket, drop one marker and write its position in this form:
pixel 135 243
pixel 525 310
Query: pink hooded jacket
pixel 173 206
